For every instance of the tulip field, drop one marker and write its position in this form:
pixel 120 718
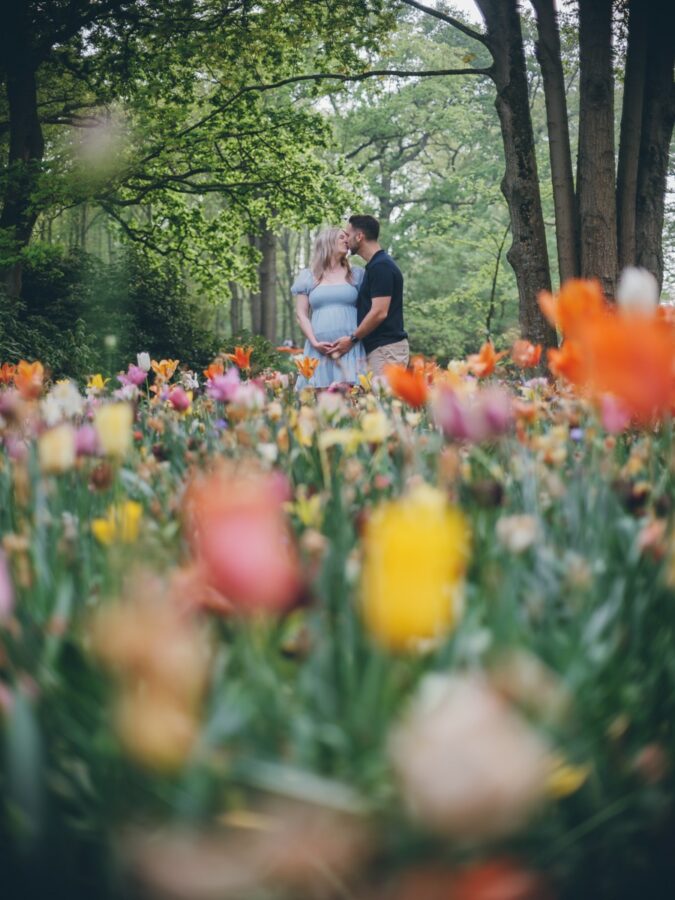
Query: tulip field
pixel 412 639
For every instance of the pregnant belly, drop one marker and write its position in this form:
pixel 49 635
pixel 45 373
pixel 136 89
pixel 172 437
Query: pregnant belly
pixel 332 322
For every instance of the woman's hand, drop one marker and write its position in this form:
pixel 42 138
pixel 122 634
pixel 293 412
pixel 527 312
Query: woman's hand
pixel 324 347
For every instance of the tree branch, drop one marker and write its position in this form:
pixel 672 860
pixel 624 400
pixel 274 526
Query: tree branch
pixel 449 20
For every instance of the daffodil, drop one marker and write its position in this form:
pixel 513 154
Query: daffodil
pixel 415 554
pixel 121 524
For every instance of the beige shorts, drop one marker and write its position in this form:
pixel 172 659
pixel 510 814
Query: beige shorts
pixel 390 353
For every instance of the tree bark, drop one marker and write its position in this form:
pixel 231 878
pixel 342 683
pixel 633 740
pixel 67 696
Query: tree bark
pixel 235 309
pixel 26 143
pixel 268 285
pixel 255 298
pixel 528 254
pixel 657 127
pixel 596 177
pixel 562 178
pixel 631 127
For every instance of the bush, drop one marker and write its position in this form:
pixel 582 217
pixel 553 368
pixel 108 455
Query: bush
pixel 72 301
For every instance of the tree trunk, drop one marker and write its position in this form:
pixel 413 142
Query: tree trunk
pixel 657 128
pixel 595 177
pixel 235 309
pixel 268 285
pixel 528 254
pixel 550 61
pixel 26 144
pixel 255 298
pixel 631 126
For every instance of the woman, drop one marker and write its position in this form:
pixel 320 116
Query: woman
pixel 325 307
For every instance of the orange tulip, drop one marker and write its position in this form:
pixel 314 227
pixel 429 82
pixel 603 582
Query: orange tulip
pixel 7 371
pixel 568 362
pixel 409 385
pixel 214 368
pixel 306 365
pixel 165 368
pixel 28 379
pixel 241 357
pixel 525 354
pixel 484 362
pixel 577 301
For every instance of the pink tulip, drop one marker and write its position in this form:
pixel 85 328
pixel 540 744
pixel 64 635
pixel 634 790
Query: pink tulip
pixel 179 399
pixel 241 536
pixel 134 375
pixel 483 416
pixel 223 387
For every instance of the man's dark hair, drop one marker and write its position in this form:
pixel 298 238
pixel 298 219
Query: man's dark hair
pixel 368 225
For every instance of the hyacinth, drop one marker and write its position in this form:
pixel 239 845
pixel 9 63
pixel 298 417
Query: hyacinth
pixel 238 530
pixel 415 554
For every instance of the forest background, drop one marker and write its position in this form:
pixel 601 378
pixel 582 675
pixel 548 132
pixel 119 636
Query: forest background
pixel 189 152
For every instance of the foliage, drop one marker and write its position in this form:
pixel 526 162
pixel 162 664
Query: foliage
pixel 78 313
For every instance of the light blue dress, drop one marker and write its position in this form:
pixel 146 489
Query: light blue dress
pixel 333 308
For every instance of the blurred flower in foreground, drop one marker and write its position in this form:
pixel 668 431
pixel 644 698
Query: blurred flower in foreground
pixel 302 849
pixel 56 449
pixel 6 589
pixel 223 387
pixel 469 765
pixel 113 428
pixel 28 379
pixel 481 416
pixel 495 879
pixel 525 354
pixel 415 554
pixel 160 657
pixel 485 361
pixel 180 399
pixel 121 525
pixel 409 385
pixel 565 779
pixel 237 527
pixel 624 353
pixel 517 533
pixel 637 291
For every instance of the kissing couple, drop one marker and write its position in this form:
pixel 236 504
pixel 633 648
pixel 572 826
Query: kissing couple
pixel 351 316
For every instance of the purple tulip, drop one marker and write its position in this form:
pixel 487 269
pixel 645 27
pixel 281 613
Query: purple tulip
pixel 86 441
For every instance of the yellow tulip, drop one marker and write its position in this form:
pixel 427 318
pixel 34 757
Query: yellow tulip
pixel 415 554
pixel 97 382
pixel 565 779
pixel 113 428
pixel 56 449
pixel 375 427
pixel 121 525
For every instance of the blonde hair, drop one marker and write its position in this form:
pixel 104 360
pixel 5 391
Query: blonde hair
pixel 323 252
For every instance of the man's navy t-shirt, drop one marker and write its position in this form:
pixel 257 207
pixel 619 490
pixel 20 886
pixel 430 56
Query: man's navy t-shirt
pixel 382 278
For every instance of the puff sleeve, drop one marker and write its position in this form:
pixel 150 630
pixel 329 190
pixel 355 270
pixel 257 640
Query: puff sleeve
pixel 303 283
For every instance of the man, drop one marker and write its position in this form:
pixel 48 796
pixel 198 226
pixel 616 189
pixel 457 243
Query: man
pixel 380 300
